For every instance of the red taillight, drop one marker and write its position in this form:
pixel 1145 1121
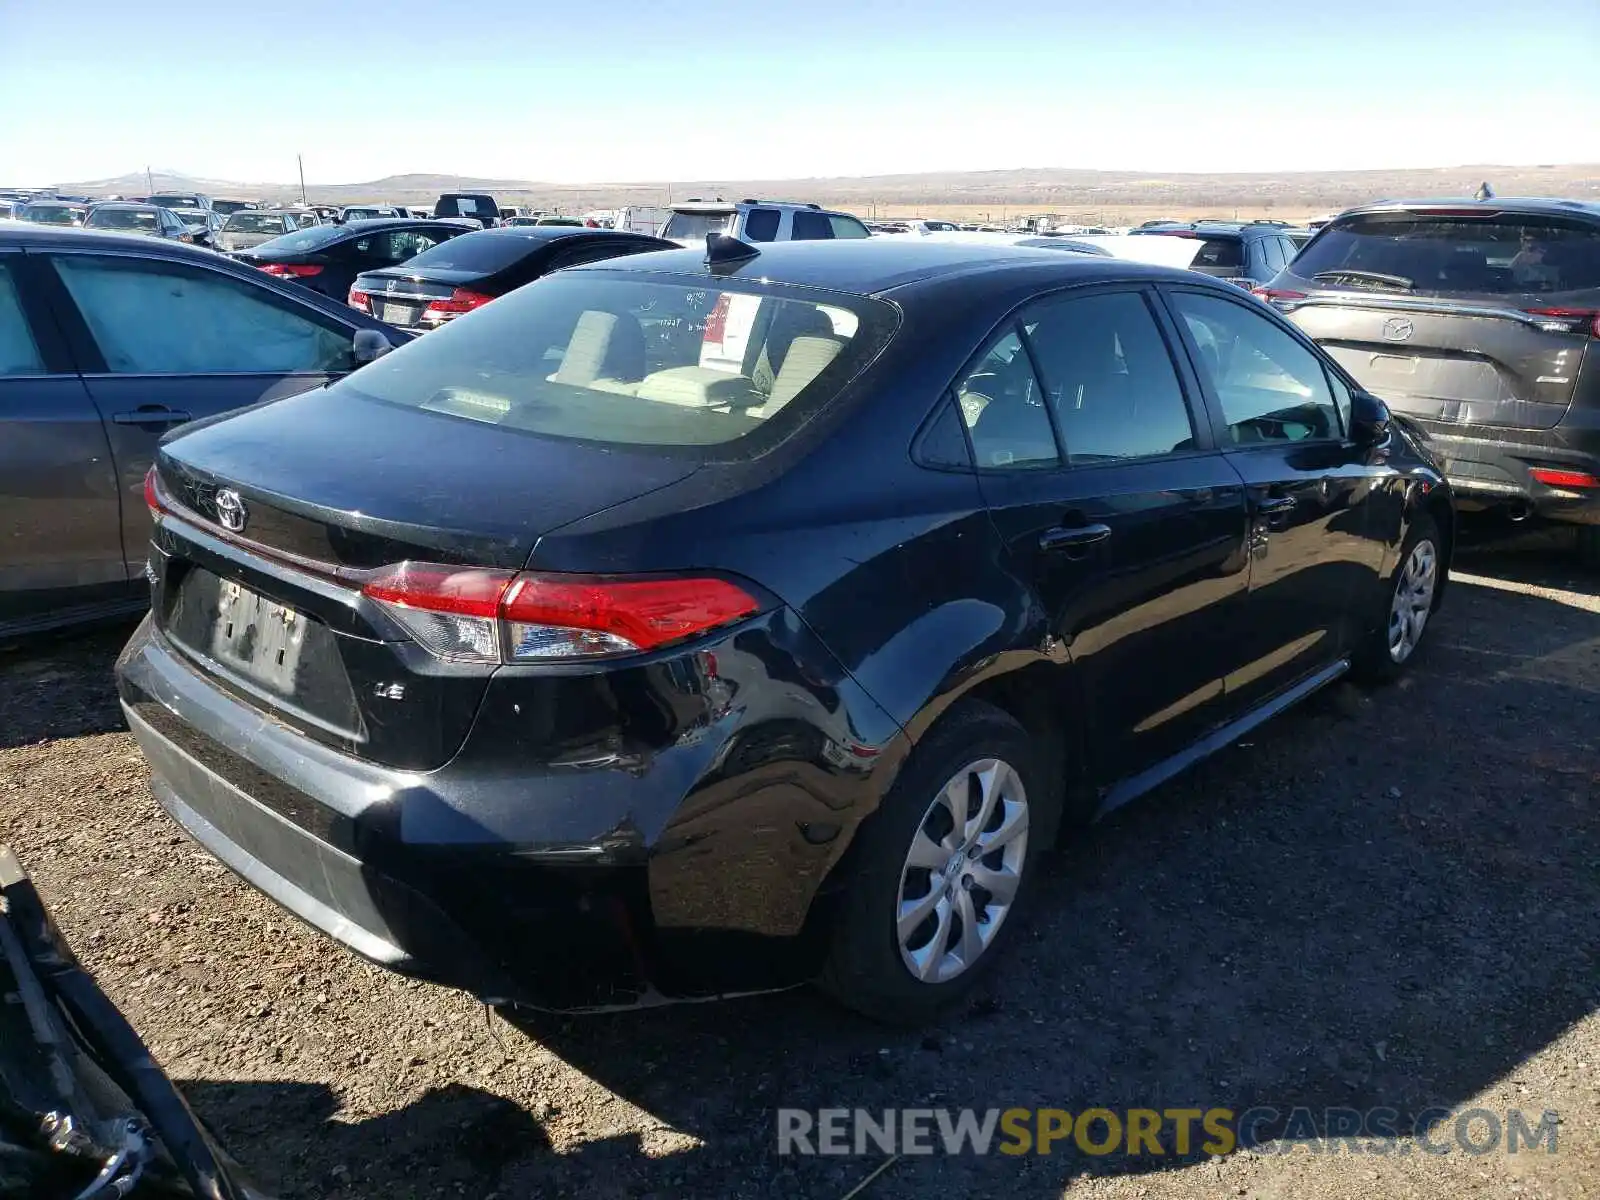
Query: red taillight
pixel 1553 477
pixel 291 270
pixel 481 615
pixel 152 493
pixel 359 299
pixel 1584 320
pixel 461 301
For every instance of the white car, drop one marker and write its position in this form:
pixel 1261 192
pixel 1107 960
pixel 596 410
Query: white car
pixel 758 221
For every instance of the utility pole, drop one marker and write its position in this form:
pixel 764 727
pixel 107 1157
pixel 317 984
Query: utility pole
pixel 149 181
pixel 302 165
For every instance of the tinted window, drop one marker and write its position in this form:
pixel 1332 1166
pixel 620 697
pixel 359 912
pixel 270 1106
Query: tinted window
pixel 53 214
pixel 1220 254
pixel 164 318
pixel 1270 255
pixel 19 354
pixel 942 443
pixel 1442 255
pixel 1271 387
pixel 848 227
pixel 483 253
pixel 1108 375
pixel 811 226
pixel 1003 406
pixel 138 220
pixel 1289 248
pixel 254 222
pixel 302 241
pixel 761 224
pixel 629 359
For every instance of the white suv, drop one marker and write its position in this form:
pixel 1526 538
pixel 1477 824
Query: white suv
pixel 758 221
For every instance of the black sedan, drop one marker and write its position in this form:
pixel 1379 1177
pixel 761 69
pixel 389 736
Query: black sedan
pixel 327 258
pixel 709 621
pixel 469 271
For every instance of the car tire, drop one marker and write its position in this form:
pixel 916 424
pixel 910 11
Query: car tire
pixel 886 961
pixel 1410 599
pixel 1589 546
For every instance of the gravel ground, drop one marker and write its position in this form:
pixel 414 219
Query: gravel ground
pixel 1385 898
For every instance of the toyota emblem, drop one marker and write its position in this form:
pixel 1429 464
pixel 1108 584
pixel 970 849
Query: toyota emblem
pixel 1397 329
pixel 231 511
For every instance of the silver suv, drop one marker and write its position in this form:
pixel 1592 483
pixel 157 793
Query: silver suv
pixel 758 221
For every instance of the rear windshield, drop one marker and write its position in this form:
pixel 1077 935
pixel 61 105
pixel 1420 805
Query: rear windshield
pixel 174 202
pixel 54 214
pixel 1505 253
pixel 122 218
pixel 302 241
pixel 1222 254
pixel 630 360
pixel 466 206
pixel 254 222
pixel 481 253
pixel 694 226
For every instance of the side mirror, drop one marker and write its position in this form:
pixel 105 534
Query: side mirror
pixel 1369 420
pixel 368 345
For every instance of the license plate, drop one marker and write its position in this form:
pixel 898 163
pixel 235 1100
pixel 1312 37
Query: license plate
pixel 258 637
pixel 398 314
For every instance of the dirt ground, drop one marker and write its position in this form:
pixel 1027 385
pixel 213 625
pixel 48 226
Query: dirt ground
pixel 1385 898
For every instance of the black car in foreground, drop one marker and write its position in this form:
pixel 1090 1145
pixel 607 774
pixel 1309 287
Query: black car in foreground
pixel 1479 320
pixel 716 620
pixel 469 271
pixel 327 258
pixel 84 1109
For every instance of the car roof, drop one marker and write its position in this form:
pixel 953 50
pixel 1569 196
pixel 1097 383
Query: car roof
pixel 55 237
pixel 1545 205
pixel 873 266
pixel 128 204
pixel 549 233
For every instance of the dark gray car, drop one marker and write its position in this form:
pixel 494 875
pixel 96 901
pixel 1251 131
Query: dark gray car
pixel 252 226
pixel 105 344
pixel 1480 320
pixel 141 220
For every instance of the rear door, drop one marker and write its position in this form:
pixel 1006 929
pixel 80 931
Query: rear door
pixel 163 342
pixel 1118 510
pixel 1459 316
pixel 1316 550
pixel 60 540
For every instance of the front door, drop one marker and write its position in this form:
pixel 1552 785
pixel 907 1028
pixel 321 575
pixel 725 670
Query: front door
pixel 1119 512
pixel 1281 420
pixel 60 543
pixel 165 342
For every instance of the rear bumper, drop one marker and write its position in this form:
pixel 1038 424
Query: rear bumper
pixel 1492 468
pixel 606 886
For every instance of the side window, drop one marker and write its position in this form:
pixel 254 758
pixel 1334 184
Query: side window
pixel 1108 375
pixel 847 227
pixel 171 319
pixel 1287 247
pixel 811 226
pixel 761 224
pixel 1271 256
pixel 19 353
pixel 1341 399
pixel 1271 388
pixel 1003 406
pixel 942 444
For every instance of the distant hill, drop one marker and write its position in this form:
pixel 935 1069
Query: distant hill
pixel 1097 196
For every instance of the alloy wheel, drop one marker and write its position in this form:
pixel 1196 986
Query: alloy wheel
pixel 962 872
pixel 1413 600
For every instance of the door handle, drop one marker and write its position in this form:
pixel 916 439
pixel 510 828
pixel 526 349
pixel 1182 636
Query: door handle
pixel 1275 505
pixel 153 415
pixel 1060 538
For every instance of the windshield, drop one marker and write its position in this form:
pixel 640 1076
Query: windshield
pixel 302 241
pixel 627 360
pixel 227 207
pixel 480 253
pixel 139 220
pixel 1501 253
pixel 53 214
pixel 692 226
pixel 466 206
pixel 175 202
pixel 254 222
pixel 367 214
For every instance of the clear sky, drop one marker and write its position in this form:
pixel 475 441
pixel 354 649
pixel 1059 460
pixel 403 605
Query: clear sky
pixel 625 90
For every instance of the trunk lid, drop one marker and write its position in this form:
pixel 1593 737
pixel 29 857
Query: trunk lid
pixel 260 589
pixel 1466 314
pixel 1469 361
